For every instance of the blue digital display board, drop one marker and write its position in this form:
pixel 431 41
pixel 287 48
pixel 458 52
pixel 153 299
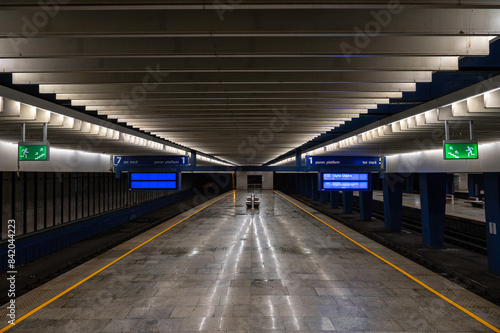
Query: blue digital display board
pixel 154 181
pixel 335 181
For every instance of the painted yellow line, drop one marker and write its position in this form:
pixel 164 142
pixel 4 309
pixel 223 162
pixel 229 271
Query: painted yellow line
pixel 485 323
pixel 20 319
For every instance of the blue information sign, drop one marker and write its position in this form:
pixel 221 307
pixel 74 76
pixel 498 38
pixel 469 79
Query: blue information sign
pixel 345 181
pixel 151 160
pixel 343 160
pixel 154 181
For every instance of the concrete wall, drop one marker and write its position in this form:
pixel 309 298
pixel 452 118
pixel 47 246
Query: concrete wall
pixel 242 176
pixel 61 160
pixel 433 161
pixel 462 184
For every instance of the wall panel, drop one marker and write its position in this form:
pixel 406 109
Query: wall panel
pixel 58 198
pixel 18 193
pixel 6 201
pixel 40 200
pixel 49 199
pixel 29 201
pixel 66 177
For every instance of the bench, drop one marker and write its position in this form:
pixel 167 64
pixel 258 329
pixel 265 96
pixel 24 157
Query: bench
pixel 450 197
pixel 475 202
pixel 252 200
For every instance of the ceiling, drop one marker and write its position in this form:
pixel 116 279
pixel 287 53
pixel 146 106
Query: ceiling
pixel 243 81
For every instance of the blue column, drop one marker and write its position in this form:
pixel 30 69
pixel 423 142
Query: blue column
pixel 409 183
pixel 323 197
pixel 393 203
pixel 492 214
pixel 471 184
pixel 449 183
pixel 314 186
pixel 365 205
pixel 298 157
pixel 334 199
pixel 433 206
pixel 193 158
pixel 347 199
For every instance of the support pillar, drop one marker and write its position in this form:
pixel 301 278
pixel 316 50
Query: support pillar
pixel 334 199
pixel 409 182
pixel 193 158
pixel 298 157
pixel 347 200
pixel 472 185
pixel 449 183
pixel 433 207
pixel 492 214
pixel 393 203
pixel 365 205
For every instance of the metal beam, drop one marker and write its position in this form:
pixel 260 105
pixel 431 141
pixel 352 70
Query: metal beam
pixel 208 22
pixel 110 5
pixel 304 107
pixel 248 46
pixel 127 89
pixel 229 102
pixel 147 79
pixel 237 95
pixel 275 64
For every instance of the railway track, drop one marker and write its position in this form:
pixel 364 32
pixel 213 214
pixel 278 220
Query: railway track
pixel 451 235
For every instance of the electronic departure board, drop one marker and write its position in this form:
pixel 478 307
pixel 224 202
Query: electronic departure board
pixel 336 181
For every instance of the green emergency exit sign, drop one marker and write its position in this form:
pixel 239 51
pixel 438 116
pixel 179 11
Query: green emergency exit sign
pixel 29 151
pixel 460 150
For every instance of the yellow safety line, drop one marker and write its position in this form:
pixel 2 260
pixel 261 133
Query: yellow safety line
pixel 9 326
pixel 485 323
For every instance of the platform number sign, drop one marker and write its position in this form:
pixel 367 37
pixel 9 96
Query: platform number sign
pixel 164 160
pixel 460 150
pixel 30 151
